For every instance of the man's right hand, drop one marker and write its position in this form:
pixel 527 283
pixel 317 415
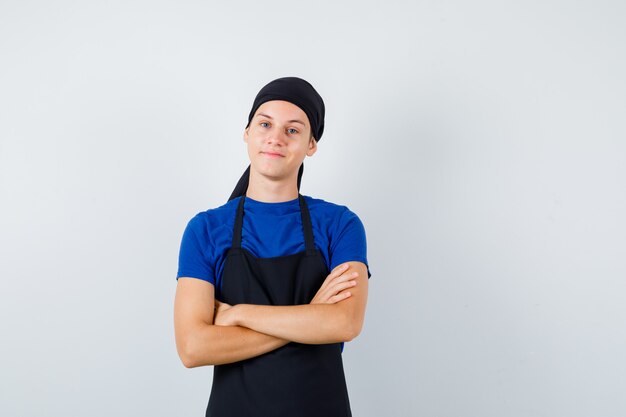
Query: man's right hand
pixel 332 290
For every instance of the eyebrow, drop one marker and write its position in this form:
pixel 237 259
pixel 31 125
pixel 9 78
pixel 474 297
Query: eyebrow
pixel 288 121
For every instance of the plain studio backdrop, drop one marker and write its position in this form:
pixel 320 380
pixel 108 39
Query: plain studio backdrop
pixel 481 143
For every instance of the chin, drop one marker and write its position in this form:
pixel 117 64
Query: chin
pixel 268 171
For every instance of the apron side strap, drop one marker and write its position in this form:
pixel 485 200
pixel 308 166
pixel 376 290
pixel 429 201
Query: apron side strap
pixel 238 223
pixel 307 227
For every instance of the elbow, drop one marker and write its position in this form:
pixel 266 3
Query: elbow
pixel 351 328
pixel 190 356
pixel 191 359
pixel 194 358
pixel 352 332
pixel 186 355
pixel 188 361
pixel 194 350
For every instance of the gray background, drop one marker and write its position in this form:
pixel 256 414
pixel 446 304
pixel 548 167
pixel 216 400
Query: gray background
pixel 481 143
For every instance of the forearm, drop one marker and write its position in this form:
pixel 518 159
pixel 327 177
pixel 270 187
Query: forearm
pixel 308 323
pixel 216 345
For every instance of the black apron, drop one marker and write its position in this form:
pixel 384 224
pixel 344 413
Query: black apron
pixel 294 380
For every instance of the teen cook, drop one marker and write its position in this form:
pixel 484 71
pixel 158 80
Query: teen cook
pixel 272 283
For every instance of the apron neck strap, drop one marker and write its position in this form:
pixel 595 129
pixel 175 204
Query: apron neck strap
pixel 238 223
pixel 307 227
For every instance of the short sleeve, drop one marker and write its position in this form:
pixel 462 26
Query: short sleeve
pixel 348 241
pixel 193 260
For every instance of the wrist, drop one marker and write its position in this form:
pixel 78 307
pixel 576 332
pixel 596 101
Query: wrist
pixel 239 315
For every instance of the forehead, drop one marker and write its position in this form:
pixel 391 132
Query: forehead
pixel 282 110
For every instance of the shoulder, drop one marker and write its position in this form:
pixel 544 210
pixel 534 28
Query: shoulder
pixel 208 222
pixel 334 213
pixel 346 233
pixel 325 206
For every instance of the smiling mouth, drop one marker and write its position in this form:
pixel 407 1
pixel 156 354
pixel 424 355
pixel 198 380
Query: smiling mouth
pixel 272 155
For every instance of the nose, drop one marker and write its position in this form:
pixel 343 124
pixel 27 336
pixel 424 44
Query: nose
pixel 276 136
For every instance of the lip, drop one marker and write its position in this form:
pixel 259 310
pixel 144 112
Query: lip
pixel 272 154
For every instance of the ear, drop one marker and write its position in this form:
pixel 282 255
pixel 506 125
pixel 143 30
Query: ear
pixel 245 135
pixel 312 147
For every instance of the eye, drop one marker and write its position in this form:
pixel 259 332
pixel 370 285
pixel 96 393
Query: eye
pixel 264 123
pixel 293 131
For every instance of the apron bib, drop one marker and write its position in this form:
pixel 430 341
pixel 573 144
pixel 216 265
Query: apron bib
pixel 296 379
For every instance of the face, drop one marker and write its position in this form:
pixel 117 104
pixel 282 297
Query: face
pixel 279 138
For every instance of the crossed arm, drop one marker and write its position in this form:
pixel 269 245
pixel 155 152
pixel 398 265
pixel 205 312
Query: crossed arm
pixel 210 333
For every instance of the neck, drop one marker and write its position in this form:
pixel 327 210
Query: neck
pixel 263 189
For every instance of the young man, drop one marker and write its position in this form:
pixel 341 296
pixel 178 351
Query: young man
pixel 272 283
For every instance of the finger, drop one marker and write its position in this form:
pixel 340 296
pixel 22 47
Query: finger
pixel 337 287
pixel 340 268
pixel 342 286
pixel 334 290
pixel 338 273
pixel 334 274
pixel 339 297
pixel 346 276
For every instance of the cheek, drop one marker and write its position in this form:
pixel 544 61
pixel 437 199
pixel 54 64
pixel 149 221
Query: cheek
pixel 253 141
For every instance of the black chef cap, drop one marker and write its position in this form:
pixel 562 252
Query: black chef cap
pixel 296 91
pixel 299 92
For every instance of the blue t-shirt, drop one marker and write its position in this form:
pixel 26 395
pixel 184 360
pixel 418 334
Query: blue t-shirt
pixel 269 230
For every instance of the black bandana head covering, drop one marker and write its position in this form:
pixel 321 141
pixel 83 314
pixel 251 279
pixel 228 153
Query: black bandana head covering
pixel 299 92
